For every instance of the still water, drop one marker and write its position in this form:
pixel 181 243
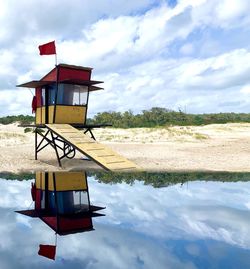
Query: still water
pixel 136 221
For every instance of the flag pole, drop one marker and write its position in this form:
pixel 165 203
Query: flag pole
pixel 56 93
pixel 55 53
pixel 55 59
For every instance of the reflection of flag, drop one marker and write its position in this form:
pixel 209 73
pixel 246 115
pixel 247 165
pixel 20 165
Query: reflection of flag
pixel 47 251
pixel 33 191
pixel 48 48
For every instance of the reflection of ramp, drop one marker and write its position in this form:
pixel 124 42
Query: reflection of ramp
pixel 99 153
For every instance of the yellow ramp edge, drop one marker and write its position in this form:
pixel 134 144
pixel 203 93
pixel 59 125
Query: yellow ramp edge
pixel 99 153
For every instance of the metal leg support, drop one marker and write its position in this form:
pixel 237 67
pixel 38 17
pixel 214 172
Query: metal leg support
pixel 55 147
pixel 89 130
pixel 55 142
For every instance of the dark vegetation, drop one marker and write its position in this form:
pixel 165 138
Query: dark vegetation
pixel 20 118
pixel 21 176
pixel 155 179
pixel 154 117
pixel 165 179
pixel 159 117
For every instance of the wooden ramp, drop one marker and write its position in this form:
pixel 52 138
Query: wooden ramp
pixel 98 152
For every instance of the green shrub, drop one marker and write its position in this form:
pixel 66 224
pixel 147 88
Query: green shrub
pixel 28 130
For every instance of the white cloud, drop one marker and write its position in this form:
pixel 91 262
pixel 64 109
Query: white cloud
pixel 16 102
pixel 14 193
pixel 231 9
pixel 226 14
pixel 187 49
pixel 245 89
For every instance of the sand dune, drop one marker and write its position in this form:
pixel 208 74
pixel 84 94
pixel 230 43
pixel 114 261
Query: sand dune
pixel 217 147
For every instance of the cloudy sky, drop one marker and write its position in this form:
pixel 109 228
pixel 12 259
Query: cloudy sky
pixel 192 55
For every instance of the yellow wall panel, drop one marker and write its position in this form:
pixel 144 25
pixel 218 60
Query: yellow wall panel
pixel 40 180
pixel 39 115
pixel 65 181
pixel 43 115
pixel 51 114
pixel 68 181
pixel 67 114
pixel 64 114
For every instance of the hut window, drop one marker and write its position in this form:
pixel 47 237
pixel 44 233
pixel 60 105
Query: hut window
pixel 72 202
pixel 52 93
pixel 80 95
pixel 81 202
pixel 43 97
pixel 50 90
pixel 72 94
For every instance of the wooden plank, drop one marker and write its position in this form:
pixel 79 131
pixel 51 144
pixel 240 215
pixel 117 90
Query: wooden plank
pixel 79 142
pixel 99 153
pixel 80 136
pixel 67 132
pixel 104 152
pixel 111 159
pixel 90 146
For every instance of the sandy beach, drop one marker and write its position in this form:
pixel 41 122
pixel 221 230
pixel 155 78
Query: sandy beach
pixel 217 147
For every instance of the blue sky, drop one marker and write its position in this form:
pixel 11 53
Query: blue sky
pixel 187 54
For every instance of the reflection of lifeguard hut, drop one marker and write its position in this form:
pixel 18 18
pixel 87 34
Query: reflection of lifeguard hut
pixel 62 202
pixel 60 105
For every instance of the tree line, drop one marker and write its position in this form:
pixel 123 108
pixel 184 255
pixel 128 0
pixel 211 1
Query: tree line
pixel 155 179
pixel 165 179
pixel 157 117
pixel 154 117
pixel 19 118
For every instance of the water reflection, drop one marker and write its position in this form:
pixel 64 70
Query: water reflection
pixel 61 200
pixel 154 220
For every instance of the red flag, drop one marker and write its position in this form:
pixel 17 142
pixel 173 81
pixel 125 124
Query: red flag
pixel 34 104
pixel 48 48
pixel 47 251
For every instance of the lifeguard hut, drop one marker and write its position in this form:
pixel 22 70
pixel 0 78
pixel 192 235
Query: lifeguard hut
pixel 61 200
pixel 60 105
